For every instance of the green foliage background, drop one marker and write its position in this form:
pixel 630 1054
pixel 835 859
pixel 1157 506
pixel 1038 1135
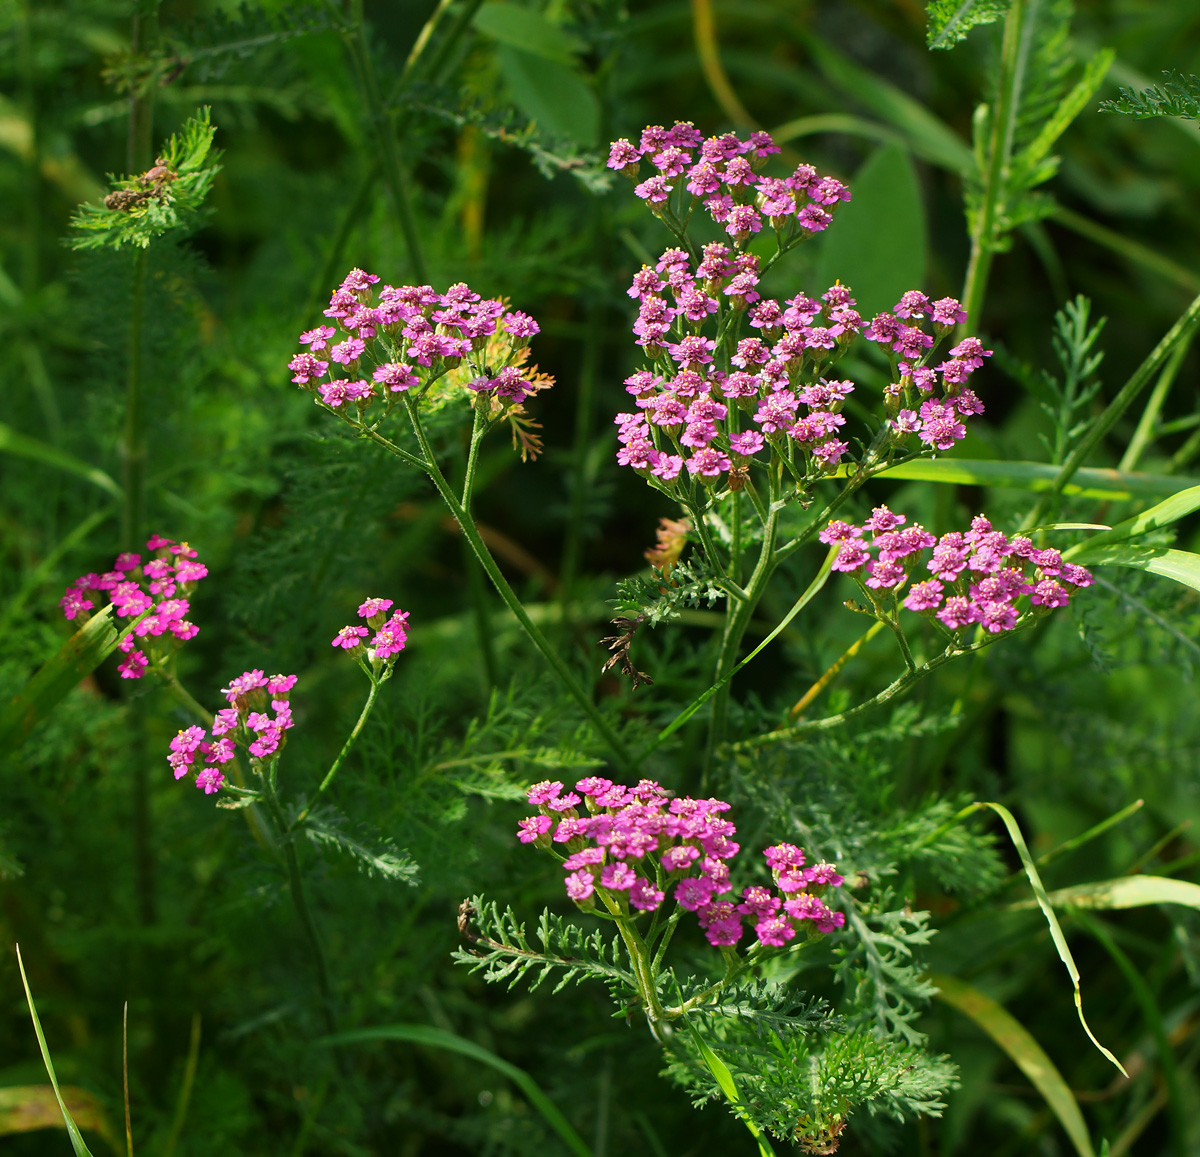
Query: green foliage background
pixel 121 886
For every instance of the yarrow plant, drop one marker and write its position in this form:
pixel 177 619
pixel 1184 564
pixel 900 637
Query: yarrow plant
pixel 741 417
pixel 642 859
pixel 155 594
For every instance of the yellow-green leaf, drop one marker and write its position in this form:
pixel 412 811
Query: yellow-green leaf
pixel 24 1108
pixel 1174 508
pixel 1029 1056
pixel 1180 565
pixel 1125 892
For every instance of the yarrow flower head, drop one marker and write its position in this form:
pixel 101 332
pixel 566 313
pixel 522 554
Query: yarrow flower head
pixel 978 577
pixel 387 635
pixel 632 848
pixel 155 593
pixel 388 342
pixel 258 718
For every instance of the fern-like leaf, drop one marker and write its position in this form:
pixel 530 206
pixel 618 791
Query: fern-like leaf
pixel 950 20
pixel 1177 96
pixel 373 854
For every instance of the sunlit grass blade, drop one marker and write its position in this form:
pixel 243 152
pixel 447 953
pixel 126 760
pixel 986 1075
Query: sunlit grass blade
pixel 24 1108
pixel 1180 565
pixel 1025 1052
pixel 1089 482
pixel 11 442
pixel 724 1078
pixel 440 1039
pixel 81 1150
pixel 1125 892
pixel 1162 514
pixel 77 658
pixel 1056 932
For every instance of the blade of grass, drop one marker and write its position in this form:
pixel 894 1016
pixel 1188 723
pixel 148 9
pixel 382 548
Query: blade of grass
pixel 77 1144
pixel 125 1078
pixel 1025 1052
pixel 1125 892
pixel 440 1039
pixel 185 1091
pixel 1174 508
pixel 24 446
pixel 1180 565
pixel 1056 932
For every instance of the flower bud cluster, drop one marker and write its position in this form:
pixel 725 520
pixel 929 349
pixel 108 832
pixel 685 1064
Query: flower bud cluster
pixel 244 723
pixel 390 634
pixel 156 592
pixel 637 845
pixel 725 174
pixel 385 341
pixel 980 577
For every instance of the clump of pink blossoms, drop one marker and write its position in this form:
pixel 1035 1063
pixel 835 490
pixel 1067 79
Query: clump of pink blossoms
pixel 386 340
pixel 712 401
pixel 156 592
pixel 245 723
pixel 390 634
pixel 635 846
pixel 980 577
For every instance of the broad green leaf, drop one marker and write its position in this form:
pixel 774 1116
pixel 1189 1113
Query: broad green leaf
pixel 24 1108
pixel 878 246
pixel 26 447
pixel 928 136
pixel 951 20
pixel 440 1039
pixel 1175 508
pixel 81 1150
pixel 528 30
pixel 1126 892
pixel 78 657
pixel 1180 565
pixel 1056 932
pixel 1024 1051
pixel 552 94
pixel 1089 482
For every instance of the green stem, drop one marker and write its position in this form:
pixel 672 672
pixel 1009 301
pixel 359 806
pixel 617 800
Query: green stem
pixel 1181 331
pixel 1003 125
pixel 351 739
pixel 738 616
pixel 467 524
pixel 385 137
pixel 133 446
pixel 304 913
pixel 1145 432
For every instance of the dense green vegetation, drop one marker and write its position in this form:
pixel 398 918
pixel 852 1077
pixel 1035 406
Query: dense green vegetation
pixel 293 970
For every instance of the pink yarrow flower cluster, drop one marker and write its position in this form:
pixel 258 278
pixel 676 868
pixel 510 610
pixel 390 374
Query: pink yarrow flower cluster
pixel 710 411
pixel 385 340
pixel 725 174
pixel 389 635
pixel 979 577
pixel 156 593
pixel 635 846
pixel 245 723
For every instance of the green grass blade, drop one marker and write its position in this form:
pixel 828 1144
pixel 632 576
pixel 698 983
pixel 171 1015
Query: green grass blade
pixel 1025 1052
pixel 1090 482
pixel 724 1078
pixel 1180 565
pixel 78 657
pixel 440 1039
pixel 81 1150
pixel 1056 932
pixel 1165 513
pixel 1125 892
pixel 24 446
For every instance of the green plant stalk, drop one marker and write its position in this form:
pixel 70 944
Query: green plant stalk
pixel 303 912
pixel 1179 332
pixel 1002 128
pixel 1147 423
pixel 351 739
pixel 738 616
pixel 185 1091
pixel 385 135
pixel 467 524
